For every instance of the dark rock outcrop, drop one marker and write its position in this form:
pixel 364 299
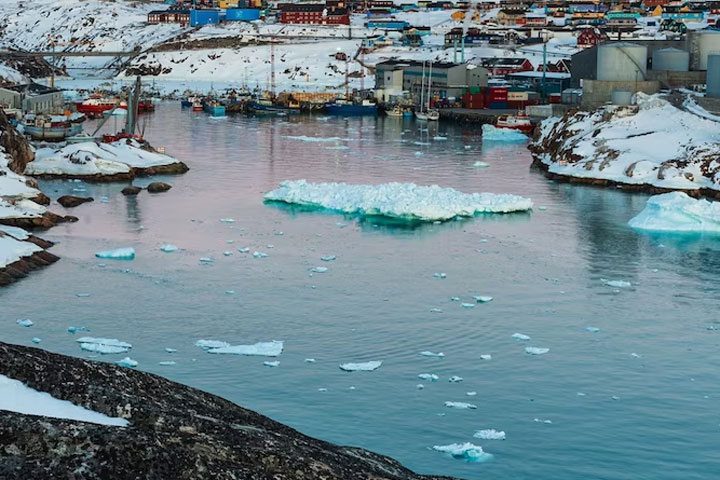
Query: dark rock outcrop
pixel 158 187
pixel 15 145
pixel 70 201
pixel 131 190
pixel 175 432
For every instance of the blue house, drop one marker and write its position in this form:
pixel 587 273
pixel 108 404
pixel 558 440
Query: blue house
pixel 242 14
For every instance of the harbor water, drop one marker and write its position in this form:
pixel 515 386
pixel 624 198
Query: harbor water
pixel 629 388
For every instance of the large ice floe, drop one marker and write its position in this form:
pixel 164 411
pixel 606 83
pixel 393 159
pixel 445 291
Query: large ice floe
pixel 398 200
pixel 17 397
pixel 491 133
pixel 490 434
pixel 260 349
pixel 96 159
pixel 464 451
pixel 361 367
pixel 652 144
pixel 104 346
pixel 678 212
pixel 125 253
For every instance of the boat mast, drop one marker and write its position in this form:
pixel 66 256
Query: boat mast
pixel 422 89
pixel 429 86
pixel 272 66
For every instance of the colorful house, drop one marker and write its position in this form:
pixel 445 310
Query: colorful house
pixel 501 66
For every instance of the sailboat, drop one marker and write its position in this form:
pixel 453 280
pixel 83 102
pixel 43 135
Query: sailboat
pixel 426 113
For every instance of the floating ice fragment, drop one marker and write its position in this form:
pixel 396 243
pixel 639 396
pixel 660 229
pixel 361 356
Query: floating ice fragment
pixel 259 254
pixel 243 250
pixel 270 245
pixel 127 253
pixel 467 147
pixel 127 362
pixel 455 379
pixel 542 207
pixel 467 305
pixel 615 397
pixel 537 420
pixel 678 212
pixel 439 138
pixel 486 357
pixel 322 389
pixel 170 350
pixel 263 349
pixel 227 220
pixel 227 253
pixel 206 260
pixel 482 298
pixel 272 364
pixel 104 346
pixel 439 275
pixel 592 329
pixel 521 337
pixel 319 269
pixel 429 377
pixel 536 350
pixel 427 353
pixel 167 363
pixel 328 258
pixel 618 283
pixel 82 295
pixel 580 394
pixel 635 355
pixel 168 248
pixel 35 340
pixel 419 386
pixel 494 134
pixel 461 405
pixel 454 299
pixel 435 310
pixel 309 360
pixel 341 224
pixel 207 344
pixel 480 164
pixel 489 434
pixel 361 367
pixel 77 329
pixel 471 394
pixel 24 323
pixel 466 452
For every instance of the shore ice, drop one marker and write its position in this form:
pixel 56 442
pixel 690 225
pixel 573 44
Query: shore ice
pixel 260 349
pixel 399 200
pixel 678 212
pixel 17 397
pixel 464 451
pixel 127 253
pixel 361 367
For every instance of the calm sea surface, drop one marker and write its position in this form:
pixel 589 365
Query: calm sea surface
pixel 638 399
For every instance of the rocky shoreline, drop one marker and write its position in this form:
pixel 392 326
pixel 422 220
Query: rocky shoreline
pixel 175 432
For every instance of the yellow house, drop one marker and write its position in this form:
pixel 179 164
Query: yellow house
pixel 227 4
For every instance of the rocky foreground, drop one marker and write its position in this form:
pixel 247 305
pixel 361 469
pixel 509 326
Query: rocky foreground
pixel 175 432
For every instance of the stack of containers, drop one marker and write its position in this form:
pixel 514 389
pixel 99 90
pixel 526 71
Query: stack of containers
pixel 497 98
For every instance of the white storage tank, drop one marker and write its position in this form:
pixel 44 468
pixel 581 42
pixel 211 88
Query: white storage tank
pixel 621 97
pixel 621 62
pixel 700 45
pixel 672 59
pixel 713 76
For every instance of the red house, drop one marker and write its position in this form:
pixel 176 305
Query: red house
pixel 501 66
pixel 591 37
pixel 313 14
pixel 561 66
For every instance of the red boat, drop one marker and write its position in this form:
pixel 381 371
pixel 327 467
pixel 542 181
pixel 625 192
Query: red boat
pixel 96 106
pixel 519 122
pixel 146 106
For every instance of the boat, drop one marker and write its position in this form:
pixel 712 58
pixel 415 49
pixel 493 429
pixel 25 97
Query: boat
pixel 519 122
pixel 50 128
pixel 213 107
pixel 97 106
pixel 146 105
pixel 396 111
pixel 430 115
pixel 349 107
pixel 426 113
pixel 266 106
pixel 80 138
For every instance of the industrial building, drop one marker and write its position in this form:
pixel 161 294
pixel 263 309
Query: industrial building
pixel 449 80
pixel 313 14
pixel 32 98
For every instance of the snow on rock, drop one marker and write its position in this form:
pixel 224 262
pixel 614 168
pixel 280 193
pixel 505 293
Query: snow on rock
pixel 652 143
pixel 126 253
pixel 104 346
pixel 260 349
pixel 489 434
pixel 678 212
pixel 12 250
pixel 491 133
pixel 17 397
pixel 361 367
pixel 464 451
pixel 401 200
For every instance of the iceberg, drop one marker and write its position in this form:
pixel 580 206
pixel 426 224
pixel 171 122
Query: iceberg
pixel 494 134
pixel 429 376
pixel 260 349
pixel 361 367
pixel 398 200
pixel 482 298
pixel 521 336
pixel 489 434
pixel 272 364
pixel 432 354
pixel 461 405
pixel 455 379
pixel 486 357
pixel 117 254
pixel 24 323
pixel 678 212
pixel 104 346
pixel 536 350
pixel 464 451
pixel 127 362
pixel 168 248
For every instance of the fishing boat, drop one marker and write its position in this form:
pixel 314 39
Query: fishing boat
pixel 265 105
pixel 519 122
pixel 50 128
pixel 97 106
pixel 396 111
pixel 349 107
pixel 213 107
pixel 425 112
pixel 146 105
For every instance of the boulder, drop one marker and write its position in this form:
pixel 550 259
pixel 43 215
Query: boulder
pixel 158 187
pixel 70 201
pixel 131 190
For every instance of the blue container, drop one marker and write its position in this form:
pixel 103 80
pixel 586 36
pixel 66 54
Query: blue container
pixel 498 105
pixel 242 14
pixel 199 18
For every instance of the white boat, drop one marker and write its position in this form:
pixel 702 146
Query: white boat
pixel 426 113
pixel 395 112
pixel 430 115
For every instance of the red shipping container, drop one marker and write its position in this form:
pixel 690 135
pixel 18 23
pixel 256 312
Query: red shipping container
pixel 555 98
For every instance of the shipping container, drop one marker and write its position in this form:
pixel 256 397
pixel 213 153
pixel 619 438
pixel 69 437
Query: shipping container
pixel 498 105
pixel 204 17
pixel 242 14
pixel 555 98
pixel 515 96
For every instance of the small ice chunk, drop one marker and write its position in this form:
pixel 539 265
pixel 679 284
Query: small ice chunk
pixel 618 283
pixel 542 208
pixel 439 138
pixel 455 379
pixel 328 258
pixel 467 147
pixel 322 389
pixel 309 360
pixel 127 362
pixel 229 292
pixel 635 355
pixel 227 220
pixel 471 394
pixel 486 357
pixel 82 295
pixel 127 253
pixel 419 386
pixel 454 299
pixel 521 336
pixel 206 260
pixel 489 434
pixel 592 329
pixel 208 344
pixel 615 397
pixel 77 329
pixel 259 254
pixel 262 349
pixel 35 340
pixel 464 451
pixel 435 310
pixel 361 367
pixel 537 420
pixel 24 323
pixel 272 364
pixel 491 133
pixel 467 305
pixel 580 394
pixel 479 164
pixel 341 224
pixel 319 269
pixel 170 350
pixel 270 245
pixel 168 248
pixel 536 350
pixel 482 298
pixel 227 253
pixel 439 275
pixel 427 353
pixel 167 363
pixel 243 250
pixel 461 405
pixel 429 377
pixel 104 346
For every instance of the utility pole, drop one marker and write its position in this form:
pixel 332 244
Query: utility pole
pixel 272 66
pixel 544 76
